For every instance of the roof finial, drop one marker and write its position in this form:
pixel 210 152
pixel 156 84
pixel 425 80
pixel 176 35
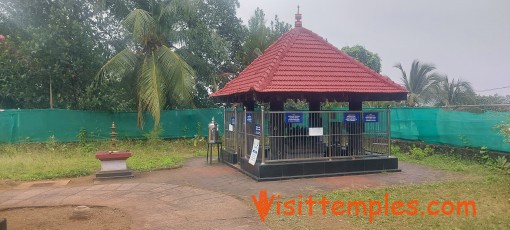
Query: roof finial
pixel 298 19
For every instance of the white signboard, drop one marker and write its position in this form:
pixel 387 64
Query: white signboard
pixel 230 127
pixel 254 152
pixel 315 131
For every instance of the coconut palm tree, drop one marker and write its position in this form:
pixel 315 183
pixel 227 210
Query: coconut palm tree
pixel 455 92
pixel 160 74
pixel 419 82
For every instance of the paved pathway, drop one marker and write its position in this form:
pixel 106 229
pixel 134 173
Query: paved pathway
pixel 227 180
pixel 150 205
pixel 199 196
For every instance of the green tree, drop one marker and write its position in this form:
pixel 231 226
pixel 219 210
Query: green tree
pixel 260 36
pixel 208 36
pixel 62 43
pixel 212 46
pixel 490 99
pixel 370 59
pixel 419 82
pixel 161 75
pixel 49 55
pixel 454 92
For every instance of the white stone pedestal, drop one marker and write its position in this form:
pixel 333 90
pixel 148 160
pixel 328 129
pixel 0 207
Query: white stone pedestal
pixel 113 164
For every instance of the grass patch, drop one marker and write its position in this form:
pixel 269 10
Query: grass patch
pixel 491 198
pixel 482 165
pixel 36 161
pixel 446 162
pixel 489 190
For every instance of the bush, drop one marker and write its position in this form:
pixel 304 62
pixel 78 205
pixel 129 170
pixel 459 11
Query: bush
pixel 501 163
pixel 419 153
pixel 83 137
pixel 504 129
pixel 395 150
pixel 51 143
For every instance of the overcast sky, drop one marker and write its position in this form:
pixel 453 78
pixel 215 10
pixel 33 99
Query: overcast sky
pixel 467 39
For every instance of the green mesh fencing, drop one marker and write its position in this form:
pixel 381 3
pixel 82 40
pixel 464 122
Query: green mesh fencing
pixel 443 126
pixel 65 125
pixel 431 125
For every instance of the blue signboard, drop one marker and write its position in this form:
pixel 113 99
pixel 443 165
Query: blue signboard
pixel 293 117
pixel 249 117
pixel 371 117
pixel 232 120
pixel 257 130
pixel 351 117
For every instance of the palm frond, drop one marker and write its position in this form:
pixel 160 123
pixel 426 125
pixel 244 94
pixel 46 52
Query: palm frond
pixel 428 93
pixel 464 93
pixel 141 24
pixel 179 76
pixel 175 18
pixel 178 7
pixel 120 65
pixel 454 92
pixel 419 82
pixel 151 88
pixel 257 51
pixel 412 76
pixel 404 79
pixel 419 76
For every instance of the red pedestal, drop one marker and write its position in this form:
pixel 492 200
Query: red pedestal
pixel 113 155
pixel 113 164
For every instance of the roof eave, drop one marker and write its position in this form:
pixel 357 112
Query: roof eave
pixel 321 96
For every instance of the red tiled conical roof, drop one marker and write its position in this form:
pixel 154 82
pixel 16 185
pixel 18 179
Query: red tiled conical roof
pixel 300 62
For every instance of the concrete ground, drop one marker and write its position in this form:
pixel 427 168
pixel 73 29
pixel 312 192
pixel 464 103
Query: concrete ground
pixel 197 195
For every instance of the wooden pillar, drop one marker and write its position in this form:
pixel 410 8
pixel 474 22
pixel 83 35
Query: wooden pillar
pixel 314 105
pixel 315 118
pixel 250 105
pixel 355 129
pixel 277 120
pixel 355 105
pixel 277 130
pixel 277 105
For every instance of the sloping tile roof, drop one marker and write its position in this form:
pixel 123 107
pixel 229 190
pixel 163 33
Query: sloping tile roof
pixel 300 61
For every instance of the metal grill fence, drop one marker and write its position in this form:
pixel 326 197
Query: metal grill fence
pixel 308 135
pixel 229 134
